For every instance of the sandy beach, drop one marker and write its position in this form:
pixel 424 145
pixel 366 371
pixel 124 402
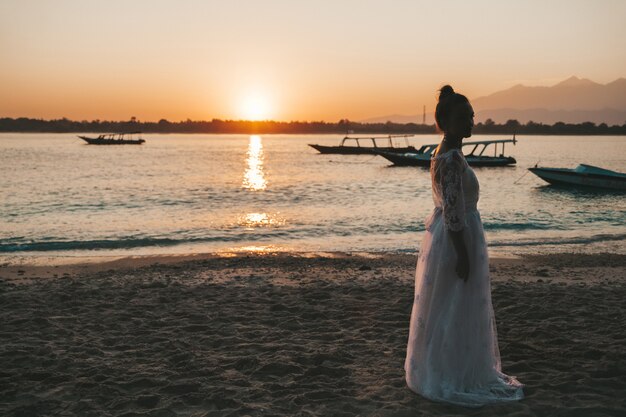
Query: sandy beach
pixel 292 334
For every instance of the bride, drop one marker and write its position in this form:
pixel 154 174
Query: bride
pixel 452 354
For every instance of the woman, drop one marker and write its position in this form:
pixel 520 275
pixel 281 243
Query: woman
pixel 452 353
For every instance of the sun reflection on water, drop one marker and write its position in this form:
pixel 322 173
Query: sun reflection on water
pixel 253 220
pixel 256 249
pixel 253 178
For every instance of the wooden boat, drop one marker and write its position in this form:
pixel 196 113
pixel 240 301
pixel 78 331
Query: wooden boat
pixel 475 157
pixel 357 149
pixel 125 138
pixel 583 175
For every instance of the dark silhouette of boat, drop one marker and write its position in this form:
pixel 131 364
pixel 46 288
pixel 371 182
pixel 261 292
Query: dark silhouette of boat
pixel 125 138
pixel 586 176
pixel 475 157
pixel 357 149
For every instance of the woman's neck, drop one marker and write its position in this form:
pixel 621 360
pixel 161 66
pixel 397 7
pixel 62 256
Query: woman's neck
pixel 452 141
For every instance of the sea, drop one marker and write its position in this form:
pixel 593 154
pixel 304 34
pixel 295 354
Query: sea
pixel 198 193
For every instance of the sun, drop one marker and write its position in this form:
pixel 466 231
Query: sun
pixel 255 107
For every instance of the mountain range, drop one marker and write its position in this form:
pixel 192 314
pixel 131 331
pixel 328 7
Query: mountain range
pixel 574 100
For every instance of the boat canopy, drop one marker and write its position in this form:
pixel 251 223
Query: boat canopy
pixel 120 135
pixel 373 139
pixel 590 169
pixel 430 148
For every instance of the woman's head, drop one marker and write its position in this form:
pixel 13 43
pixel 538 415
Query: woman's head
pixel 454 114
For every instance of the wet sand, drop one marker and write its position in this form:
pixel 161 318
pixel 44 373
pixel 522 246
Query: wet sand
pixel 292 334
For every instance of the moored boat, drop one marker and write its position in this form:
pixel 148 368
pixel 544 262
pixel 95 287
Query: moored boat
pixel 475 157
pixel 587 176
pixel 125 138
pixel 358 149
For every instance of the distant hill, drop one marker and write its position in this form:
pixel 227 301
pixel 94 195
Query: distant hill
pixel 574 100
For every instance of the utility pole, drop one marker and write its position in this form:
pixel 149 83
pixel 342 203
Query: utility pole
pixel 424 115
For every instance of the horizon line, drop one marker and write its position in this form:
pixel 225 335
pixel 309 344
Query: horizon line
pixel 133 120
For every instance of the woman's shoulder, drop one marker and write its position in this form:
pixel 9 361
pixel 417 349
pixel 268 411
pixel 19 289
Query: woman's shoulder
pixel 449 162
pixel 453 154
pixel 448 152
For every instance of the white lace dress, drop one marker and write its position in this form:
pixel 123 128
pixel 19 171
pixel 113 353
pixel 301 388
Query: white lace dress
pixel 452 353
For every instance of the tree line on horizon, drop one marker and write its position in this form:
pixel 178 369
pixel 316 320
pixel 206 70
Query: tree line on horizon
pixel 343 126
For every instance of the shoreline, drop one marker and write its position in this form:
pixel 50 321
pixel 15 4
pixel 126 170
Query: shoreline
pixel 26 267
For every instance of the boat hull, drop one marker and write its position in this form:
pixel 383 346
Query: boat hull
pixel 572 178
pixel 359 150
pixel 490 161
pixel 98 141
pixel 423 160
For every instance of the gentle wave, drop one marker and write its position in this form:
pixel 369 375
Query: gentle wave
pixel 562 241
pixel 101 244
pixel 83 245
pixel 52 244
pixel 131 243
pixel 520 226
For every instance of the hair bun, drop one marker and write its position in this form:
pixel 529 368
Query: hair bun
pixel 445 91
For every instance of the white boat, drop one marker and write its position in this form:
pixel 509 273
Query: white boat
pixel 476 157
pixel 583 176
pixel 357 148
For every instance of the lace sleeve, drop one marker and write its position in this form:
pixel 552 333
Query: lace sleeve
pixel 452 190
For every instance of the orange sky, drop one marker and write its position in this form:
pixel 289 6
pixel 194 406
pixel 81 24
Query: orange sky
pixel 290 60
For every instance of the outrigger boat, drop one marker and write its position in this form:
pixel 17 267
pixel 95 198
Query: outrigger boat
pixel 583 175
pixel 358 149
pixel 475 157
pixel 125 138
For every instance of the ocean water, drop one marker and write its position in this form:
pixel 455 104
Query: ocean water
pixel 204 193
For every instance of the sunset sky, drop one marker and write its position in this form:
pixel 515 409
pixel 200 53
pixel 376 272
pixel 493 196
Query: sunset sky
pixel 291 60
